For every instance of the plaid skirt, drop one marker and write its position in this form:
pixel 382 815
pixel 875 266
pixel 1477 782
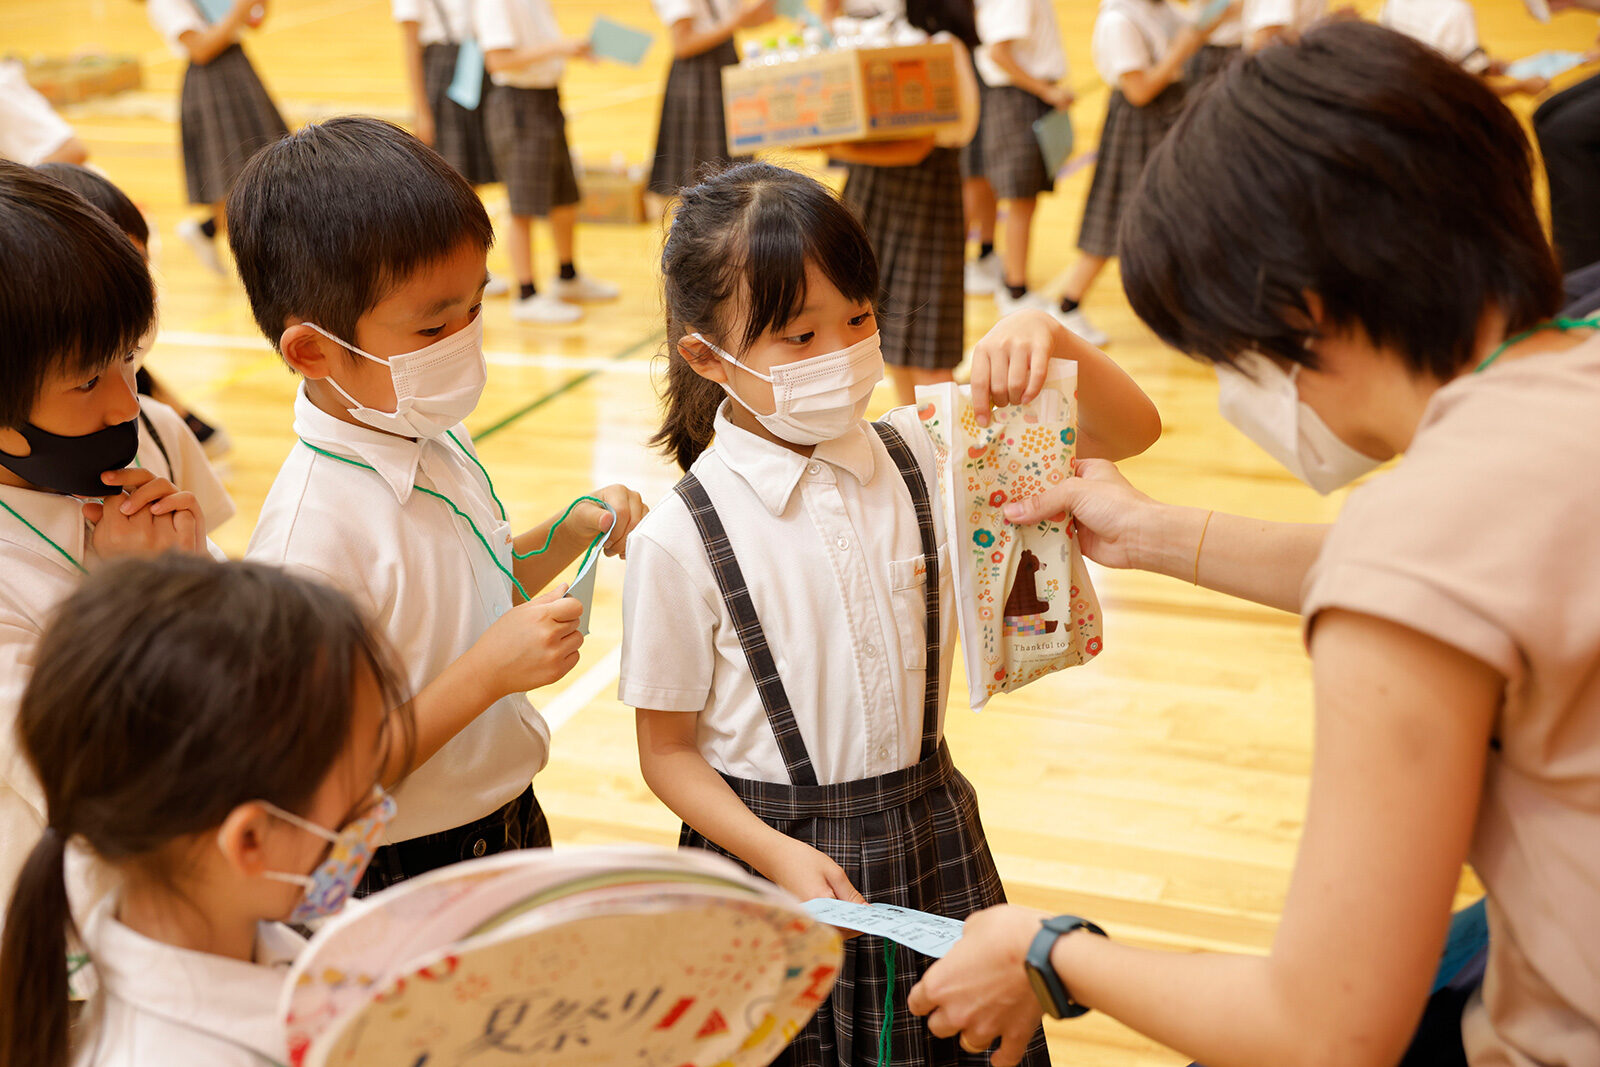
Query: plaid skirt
pixel 528 139
pixel 1208 61
pixel 911 838
pixel 692 131
pixel 225 116
pixel 913 217
pixel 1129 136
pixel 1012 160
pixel 458 133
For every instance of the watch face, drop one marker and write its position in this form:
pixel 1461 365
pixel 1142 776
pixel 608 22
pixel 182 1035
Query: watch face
pixel 1042 994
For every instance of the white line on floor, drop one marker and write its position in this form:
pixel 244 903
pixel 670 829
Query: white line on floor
pixel 590 684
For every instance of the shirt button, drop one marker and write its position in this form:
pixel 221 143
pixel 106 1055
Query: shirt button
pixel 870 650
pixel 813 468
pixel 843 543
pixel 479 847
pixel 883 752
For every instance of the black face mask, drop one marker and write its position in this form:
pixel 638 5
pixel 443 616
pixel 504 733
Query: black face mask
pixel 74 464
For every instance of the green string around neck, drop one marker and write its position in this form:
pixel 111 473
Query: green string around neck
pixel 494 557
pixel 44 537
pixel 886 1035
pixel 1553 324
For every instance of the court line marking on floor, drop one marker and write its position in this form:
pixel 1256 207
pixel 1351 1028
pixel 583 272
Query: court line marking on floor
pixel 585 688
pixel 570 384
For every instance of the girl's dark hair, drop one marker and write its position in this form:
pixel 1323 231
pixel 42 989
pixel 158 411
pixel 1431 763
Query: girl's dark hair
pixel 77 294
pixel 1358 165
pixel 743 236
pixel 99 191
pixel 328 221
pixel 167 693
pixel 955 17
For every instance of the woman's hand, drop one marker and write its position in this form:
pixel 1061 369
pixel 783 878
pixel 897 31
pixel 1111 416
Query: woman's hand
pixel 980 990
pixel 1115 520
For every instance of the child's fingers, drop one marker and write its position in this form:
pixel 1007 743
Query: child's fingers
pixel 145 495
pixel 1038 371
pixel 173 502
pixel 1019 373
pixel 189 536
pixel 551 595
pixel 93 512
pixel 839 884
pixel 568 609
pixel 128 477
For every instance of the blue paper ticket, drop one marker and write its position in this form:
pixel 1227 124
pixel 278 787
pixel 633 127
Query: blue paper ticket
pixel 613 40
pixel 1546 64
pixel 931 935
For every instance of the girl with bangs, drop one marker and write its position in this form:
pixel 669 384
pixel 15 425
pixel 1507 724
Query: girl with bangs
pixel 791 708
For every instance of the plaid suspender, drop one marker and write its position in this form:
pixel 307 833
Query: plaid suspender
pixel 747 625
pixel 736 595
pixel 900 452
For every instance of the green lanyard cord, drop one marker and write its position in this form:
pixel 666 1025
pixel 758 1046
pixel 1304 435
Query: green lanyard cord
pixel 886 1035
pixel 494 557
pixel 549 537
pixel 45 537
pixel 1554 324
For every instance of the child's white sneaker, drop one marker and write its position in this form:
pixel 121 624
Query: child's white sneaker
pixel 1006 304
pixel 204 248
pixel 545 308
pixel 584 287
pixel 982 275
pixel 1076 321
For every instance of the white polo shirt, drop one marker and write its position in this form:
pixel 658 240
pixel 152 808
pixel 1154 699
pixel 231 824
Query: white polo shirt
pixel 830 549
pixel 1449 27
pixel 160 1004
pixel 1030 26
pixel 34 578
pixel 1132 35
pixel 512 24
pixel 1293 15
pixel 424 579
pixel 455 24
pixel 705 14
pixel 30 129
pixel 174 18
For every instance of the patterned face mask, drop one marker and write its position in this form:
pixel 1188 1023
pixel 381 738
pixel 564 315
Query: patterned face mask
pixel 330 884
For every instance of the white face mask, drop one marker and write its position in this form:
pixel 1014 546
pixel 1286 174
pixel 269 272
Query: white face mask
pixel 816 399
pixel 1262 401
pixel 434 387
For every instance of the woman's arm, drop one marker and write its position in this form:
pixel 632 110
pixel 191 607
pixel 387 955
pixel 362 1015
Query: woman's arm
pixel 1057 96
pixel 1402 733
pixel 411 55
pixel 677 773
pixel 898 153
pixel 1118 526
pixel 510 60
pixel 205 45
pixel 1143 86
pixel 688 41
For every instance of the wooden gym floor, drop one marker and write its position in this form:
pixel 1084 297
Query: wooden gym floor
pixel 1159 790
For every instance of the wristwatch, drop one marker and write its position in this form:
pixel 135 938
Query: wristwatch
pixel 1047 985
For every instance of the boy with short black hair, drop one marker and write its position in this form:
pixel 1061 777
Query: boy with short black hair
pixel 364 256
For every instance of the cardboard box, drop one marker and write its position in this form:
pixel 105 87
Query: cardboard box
pixel 863 94
pixel 611 195
pixel 71 81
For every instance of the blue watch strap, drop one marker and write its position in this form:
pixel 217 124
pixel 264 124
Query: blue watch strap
pixel 1047 985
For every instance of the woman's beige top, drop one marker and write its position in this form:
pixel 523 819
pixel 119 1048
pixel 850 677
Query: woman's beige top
pixel 1487 537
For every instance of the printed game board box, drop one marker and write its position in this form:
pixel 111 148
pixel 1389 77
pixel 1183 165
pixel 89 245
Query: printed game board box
pixel 866 94
pixel 611 195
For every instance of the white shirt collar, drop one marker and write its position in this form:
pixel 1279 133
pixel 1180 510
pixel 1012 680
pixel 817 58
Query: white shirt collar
pixel 56 515
pixel 231 1000
pixel 394 458
pixel 773 471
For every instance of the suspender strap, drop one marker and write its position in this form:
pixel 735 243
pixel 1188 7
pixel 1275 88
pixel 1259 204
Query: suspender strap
pixel 903 458
pixel 736 595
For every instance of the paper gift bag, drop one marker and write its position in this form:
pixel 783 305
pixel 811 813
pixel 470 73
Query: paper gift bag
pixel 1023 597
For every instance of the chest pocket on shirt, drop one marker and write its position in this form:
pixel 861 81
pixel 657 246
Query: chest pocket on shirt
pixel 908 578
